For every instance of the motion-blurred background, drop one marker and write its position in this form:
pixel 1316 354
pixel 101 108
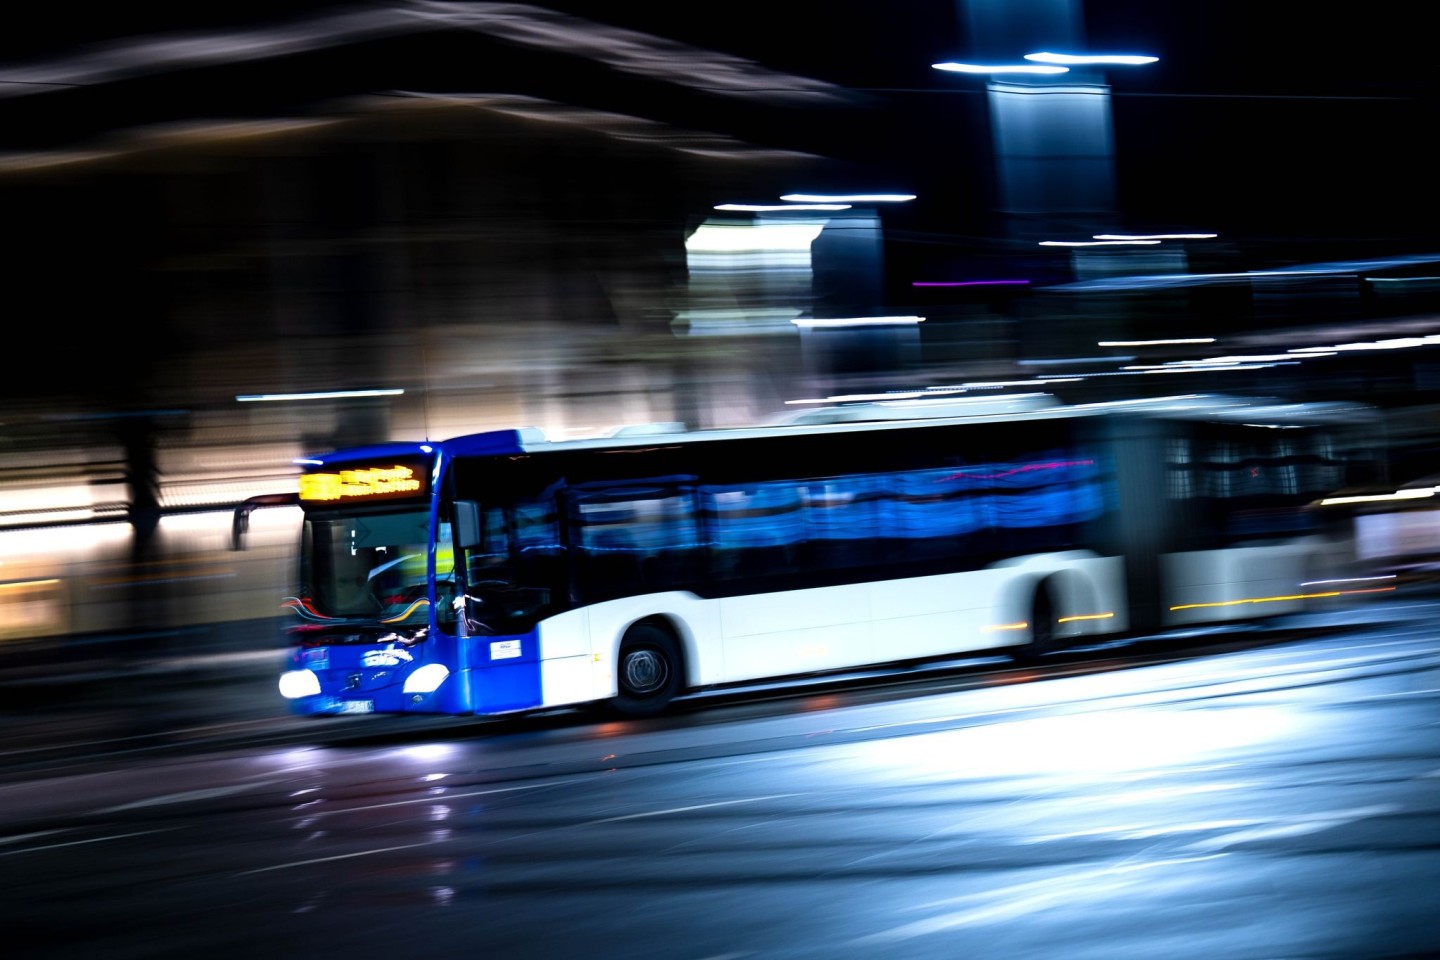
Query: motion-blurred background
pixel 234 235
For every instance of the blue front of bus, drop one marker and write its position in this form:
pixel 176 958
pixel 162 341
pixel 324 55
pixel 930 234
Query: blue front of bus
pixel 389 676
pixel 377 627
pixel 363 637
pixel 441 674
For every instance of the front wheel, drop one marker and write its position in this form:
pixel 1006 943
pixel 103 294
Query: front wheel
pixel 648 673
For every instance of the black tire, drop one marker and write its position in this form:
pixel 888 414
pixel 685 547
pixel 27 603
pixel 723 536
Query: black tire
pixel 649 673
pixel 1043 639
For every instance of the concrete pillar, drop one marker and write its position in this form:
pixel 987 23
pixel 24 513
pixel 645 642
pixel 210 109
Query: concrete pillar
pixel 1053 143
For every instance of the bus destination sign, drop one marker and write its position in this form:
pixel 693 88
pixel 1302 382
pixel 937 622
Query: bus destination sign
pixel 395 481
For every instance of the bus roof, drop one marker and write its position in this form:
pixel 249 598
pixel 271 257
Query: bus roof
pixel 879 415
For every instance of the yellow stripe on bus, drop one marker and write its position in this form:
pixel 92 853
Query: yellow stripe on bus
pixel 1293 596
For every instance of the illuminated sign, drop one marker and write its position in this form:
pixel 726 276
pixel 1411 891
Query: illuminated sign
pixel 363 483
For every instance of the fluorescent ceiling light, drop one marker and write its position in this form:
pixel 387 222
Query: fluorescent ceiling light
pixel 998 68
pixel 1094 243
pixel 768 207
pixel 857 321
pixel 1078 58
pixel 331 395
pixel 1156 236
pixel 848 197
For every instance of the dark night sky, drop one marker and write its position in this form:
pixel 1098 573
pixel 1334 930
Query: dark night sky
pixel 1275 121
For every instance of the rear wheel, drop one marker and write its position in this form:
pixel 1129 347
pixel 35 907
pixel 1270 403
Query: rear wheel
pixel 1043 635
pixel 649 671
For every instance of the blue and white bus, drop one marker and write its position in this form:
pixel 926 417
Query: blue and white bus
pixel 503 572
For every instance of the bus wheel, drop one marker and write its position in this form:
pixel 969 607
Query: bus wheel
pixel 649 671
pixel 1043 639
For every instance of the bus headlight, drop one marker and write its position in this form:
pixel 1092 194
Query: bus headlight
pixel 426 679
pixel 295 684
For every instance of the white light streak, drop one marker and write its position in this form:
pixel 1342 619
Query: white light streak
pixel 1397 343
pixel 771 207
pixel 1240 358
pixel 857 321
pixel 327 395
pixel 1121 59
pixel 756 238
pixel 1156 236
pixel 1417 493
pixel 1175 341
pixel 1321 583
pixel 1097 243
pixel 952 67
pixel 849 197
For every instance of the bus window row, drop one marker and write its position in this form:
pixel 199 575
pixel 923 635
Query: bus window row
pixel 675 532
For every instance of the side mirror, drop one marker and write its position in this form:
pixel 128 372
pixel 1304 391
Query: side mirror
pixel 240 525
pixel 467 523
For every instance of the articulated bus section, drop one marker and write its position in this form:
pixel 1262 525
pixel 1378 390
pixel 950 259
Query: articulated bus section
pixel 628 570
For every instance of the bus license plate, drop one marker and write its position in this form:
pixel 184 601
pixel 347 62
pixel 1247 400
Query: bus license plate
pixel 357 706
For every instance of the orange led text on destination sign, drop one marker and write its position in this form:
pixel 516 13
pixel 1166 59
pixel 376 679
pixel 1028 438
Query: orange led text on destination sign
pixel 369 482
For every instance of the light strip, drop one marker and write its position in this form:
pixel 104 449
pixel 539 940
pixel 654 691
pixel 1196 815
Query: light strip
pixel 1086 616
pixel 769 207
pixel 1316 583
pixel 1123 59
pixel 24 584
pixel 1295 596
pixel 858 322
pixel 1095 243
pixel 1418 493
pixel 329 395
pixel 998 68
pixel 1154 343
pixel 1156 236
pixel 849 197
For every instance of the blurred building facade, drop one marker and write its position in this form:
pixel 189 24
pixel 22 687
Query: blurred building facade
pixel 408 264
pixel 208 301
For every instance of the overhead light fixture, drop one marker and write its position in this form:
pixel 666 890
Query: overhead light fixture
pixel 856 321
pixel 771 207
pixel 1096 243
pixel 1156 236
pixel 848 198
pixel 328 395
pixel 1122 59
pixel 998 68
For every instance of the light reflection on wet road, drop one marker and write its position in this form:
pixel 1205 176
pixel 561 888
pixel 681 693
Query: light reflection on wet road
pixel 1276 802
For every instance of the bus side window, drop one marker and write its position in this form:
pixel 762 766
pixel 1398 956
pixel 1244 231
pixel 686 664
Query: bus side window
pixel 929 513
pixel 1179 469
pixel 537 551
pixel 754 529
pixel 842 520
pixel 493 551
pixel 1321 470
pixel 635 539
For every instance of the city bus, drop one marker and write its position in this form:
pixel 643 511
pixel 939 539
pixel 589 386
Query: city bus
pixel 504 572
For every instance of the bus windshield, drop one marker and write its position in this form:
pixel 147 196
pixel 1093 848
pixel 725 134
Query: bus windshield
pixel 370 565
